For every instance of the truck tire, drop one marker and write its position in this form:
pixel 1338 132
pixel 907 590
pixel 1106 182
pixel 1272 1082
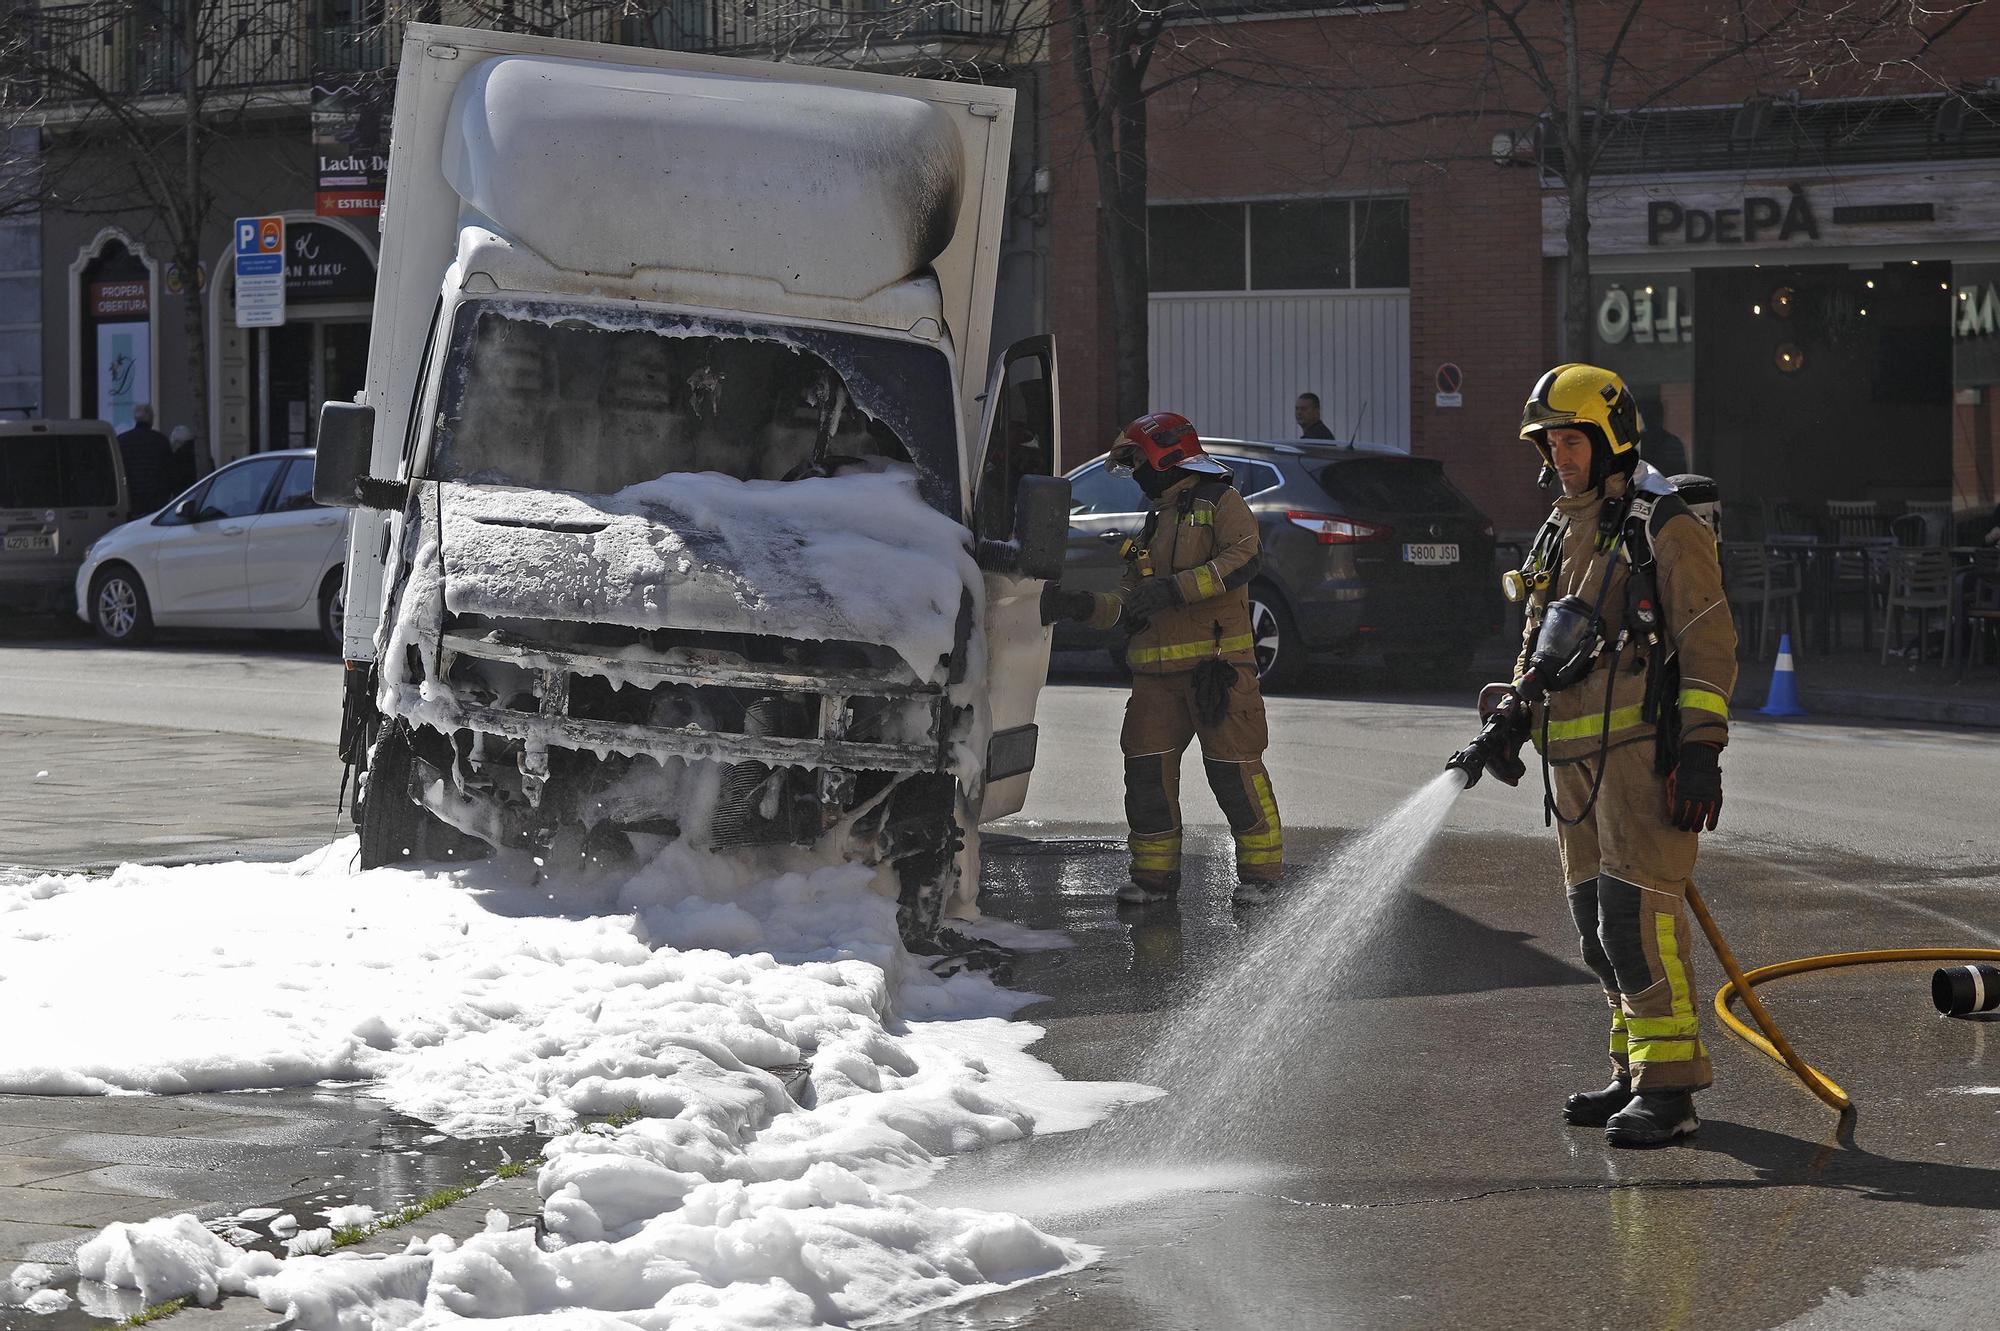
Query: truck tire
pixel 394 828
pixel 925 834
pixel 333 612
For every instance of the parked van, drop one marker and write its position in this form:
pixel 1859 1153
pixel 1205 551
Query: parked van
pixel 692 507
pixel 61 487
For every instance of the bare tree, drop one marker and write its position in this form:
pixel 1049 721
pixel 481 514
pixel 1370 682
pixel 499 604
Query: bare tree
pixel 128 102
pixel 1582 71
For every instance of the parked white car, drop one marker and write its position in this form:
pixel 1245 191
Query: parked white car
pixel 247 547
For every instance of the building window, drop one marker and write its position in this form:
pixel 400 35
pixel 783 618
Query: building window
pixel 1198 247
pixel 1286 245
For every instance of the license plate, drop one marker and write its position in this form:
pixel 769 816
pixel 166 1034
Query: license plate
pixel 1433 553
pixel 30 540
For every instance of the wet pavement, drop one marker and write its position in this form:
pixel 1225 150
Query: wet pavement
pixel 1415 1171
pixel 71 1165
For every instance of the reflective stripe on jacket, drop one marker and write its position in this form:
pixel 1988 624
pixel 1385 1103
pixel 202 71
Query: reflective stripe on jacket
pixel 1696 625
pixel 1204 537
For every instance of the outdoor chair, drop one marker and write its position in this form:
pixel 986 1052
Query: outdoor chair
pixel 1859 525
pixel 1975 614
pixel 1925 522
pixel 1787 522
pixel 1919 580
pixel 1769 588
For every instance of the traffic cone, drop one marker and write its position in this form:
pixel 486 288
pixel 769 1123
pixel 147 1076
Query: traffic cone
pixel 1783 699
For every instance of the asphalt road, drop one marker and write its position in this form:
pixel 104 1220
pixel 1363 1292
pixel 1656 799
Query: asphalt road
pixel 1412 1170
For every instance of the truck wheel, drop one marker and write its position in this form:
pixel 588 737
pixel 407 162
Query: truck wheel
pixel 923 833
pixel 394 827
pixel 119 610
pixel 1275 636
pixel 333 612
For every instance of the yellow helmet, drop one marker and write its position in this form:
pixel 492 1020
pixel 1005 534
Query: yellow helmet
pixel 1583 397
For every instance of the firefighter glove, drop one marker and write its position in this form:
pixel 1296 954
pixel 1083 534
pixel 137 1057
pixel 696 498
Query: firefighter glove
pixel 1058 605
pixel 1694 789
pixel 1151 596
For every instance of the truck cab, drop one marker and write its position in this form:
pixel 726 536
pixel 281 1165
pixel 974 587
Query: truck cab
pixel 690 505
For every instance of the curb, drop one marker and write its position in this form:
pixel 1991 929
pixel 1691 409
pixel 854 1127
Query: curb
pixel 1902 707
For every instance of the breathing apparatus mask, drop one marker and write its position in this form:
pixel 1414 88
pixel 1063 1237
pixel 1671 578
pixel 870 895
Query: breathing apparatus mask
pixel 1567 645
pixel 1151 479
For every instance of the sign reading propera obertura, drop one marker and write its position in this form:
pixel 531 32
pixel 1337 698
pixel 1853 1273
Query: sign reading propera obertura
pixel 350 131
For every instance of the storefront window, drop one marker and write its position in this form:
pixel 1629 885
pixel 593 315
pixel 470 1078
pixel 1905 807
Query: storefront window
pixel 115 347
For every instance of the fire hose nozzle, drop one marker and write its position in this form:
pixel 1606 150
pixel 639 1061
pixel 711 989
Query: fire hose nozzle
pixel 1496 748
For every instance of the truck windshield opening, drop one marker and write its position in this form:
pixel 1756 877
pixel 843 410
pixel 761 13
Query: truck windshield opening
pixel 559 396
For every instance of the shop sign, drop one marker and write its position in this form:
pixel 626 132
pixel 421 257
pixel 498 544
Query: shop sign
pixel 1762 217
pixel 1645 315
pixel 120 300
pixel 351 144
pixel 1975 324
pixel 1977 312
pixel 325 263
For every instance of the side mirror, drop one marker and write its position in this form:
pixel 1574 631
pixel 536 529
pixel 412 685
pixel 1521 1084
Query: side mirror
pixel 340 471
pixel 185 510
pixel 1041 525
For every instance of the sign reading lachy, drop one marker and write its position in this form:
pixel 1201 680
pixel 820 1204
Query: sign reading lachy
pixel 350 127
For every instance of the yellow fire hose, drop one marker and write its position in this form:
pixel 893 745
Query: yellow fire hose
pixel 1744 984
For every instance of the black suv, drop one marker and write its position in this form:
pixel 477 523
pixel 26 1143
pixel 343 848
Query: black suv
pixel 1367 551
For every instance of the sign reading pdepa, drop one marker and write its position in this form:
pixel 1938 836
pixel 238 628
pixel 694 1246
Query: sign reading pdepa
pixel 260 272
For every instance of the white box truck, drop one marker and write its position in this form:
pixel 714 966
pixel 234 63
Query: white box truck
pixel 690 504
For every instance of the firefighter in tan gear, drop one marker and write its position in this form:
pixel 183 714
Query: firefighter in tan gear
pixel 1184 607
pixel 1631 733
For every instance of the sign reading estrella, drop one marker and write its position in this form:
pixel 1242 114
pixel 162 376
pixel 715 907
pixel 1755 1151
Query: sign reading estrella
pixel 260 272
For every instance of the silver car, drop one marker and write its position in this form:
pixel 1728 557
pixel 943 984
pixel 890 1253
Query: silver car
pixel 247 547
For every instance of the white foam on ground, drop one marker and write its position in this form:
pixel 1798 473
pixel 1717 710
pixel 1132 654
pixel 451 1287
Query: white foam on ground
pixel 477 1000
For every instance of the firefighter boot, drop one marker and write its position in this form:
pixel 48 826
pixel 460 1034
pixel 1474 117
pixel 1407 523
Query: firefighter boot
pixel 1156 888
pixel 1654 1118
pixel 1593 1109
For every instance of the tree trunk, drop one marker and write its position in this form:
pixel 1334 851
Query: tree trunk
pixel 1576 171
pixel 187 235
pixel 1122 181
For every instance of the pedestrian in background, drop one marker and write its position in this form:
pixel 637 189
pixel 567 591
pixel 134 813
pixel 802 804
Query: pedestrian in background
pixel 186 463
pixel 1306 412
pixel 148 459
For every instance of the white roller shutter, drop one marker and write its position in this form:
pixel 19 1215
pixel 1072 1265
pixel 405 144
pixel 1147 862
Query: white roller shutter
pixel 1233 363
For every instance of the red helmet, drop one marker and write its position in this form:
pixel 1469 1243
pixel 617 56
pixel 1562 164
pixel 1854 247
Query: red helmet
pixel 1162 440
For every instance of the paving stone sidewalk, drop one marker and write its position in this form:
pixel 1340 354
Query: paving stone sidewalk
pixel 84 795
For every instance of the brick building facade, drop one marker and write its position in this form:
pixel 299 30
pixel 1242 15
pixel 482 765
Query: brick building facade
pixel 1892 144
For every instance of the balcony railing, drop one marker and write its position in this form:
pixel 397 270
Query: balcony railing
pixel 123 50
pixel 128 48
pixel 772 27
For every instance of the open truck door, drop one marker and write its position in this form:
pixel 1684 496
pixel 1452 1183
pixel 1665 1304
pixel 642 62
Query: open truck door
pixel 1020 513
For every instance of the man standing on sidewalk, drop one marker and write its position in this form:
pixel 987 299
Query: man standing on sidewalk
pixel 1186 613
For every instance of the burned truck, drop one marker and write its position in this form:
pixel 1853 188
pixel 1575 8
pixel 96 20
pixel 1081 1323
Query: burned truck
pixel 689 504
